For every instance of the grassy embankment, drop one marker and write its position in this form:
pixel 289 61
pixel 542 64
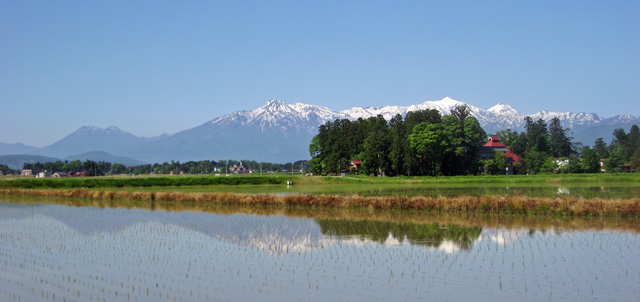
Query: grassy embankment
pixel 141 181
pixel 85 189
pixel 529 222
pixel 204 180
pixel 497 179
pixel 520 205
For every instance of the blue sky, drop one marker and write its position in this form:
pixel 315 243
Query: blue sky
pixel 153 67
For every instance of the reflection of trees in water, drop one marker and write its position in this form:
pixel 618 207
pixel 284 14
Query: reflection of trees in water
pixel 430 234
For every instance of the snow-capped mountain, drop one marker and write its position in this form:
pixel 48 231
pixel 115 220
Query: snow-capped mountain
pixel 279 115
pixel 281 132
pixel 276 131
pixel 504 109
pixel 498 117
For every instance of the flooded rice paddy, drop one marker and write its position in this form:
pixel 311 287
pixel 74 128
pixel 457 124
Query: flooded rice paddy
pixel 580 190
pixel 54 252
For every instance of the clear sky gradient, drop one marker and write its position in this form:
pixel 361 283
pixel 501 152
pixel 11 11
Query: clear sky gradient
pixel 153 67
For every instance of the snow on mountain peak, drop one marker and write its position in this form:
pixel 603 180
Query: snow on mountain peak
pixel 89 128
pixel 443 105
pixel 273 106
pixel 113 129
pixel 305 118
pixel 277 114
pixel 449 101
pixel 504 109
pixel 274 103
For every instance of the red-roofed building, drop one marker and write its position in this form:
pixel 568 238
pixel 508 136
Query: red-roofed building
pixel 355 165
pixel 494 142
pixel 495 145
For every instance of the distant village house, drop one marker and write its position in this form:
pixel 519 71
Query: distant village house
pixel 355 165
pixel 239 169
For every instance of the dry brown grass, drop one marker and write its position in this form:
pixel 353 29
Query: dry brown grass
pixel 561 206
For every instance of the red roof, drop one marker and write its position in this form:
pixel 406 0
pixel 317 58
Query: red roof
pixel 492 143
pixel 356 162
pixel 514 156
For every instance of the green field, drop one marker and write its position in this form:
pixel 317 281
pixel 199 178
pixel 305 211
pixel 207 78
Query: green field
pixel 208 180
pixel 604 186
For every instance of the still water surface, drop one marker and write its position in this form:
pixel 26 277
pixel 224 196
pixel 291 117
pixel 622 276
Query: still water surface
pixel 580 190
pixel 62 253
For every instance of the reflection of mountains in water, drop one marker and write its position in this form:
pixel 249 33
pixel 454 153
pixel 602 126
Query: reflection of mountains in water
pixel 276 235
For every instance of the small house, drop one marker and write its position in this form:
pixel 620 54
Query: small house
pixel 240 169
pixel 26 172
pixel 355 165
pixel 60 174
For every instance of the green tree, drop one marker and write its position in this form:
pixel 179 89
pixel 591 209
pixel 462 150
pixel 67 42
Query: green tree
pixel 635 159
pixel 573 165
pixel 549 165
pixel 559 141
pixel 398 144
pixel 376 147
pixel 315 164
pixel 633 142
pixel 497 165
pixel 535 159
pixel 428 141
pixel 508 137
pixel 590 161
pixel 601 148
pixel 474 137
pixel 615 162
pixel 411 164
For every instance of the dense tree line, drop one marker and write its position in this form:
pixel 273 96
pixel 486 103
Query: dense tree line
pixel 5 170
pixel 426 143
pixel 623 149
pixel 93 168
pixel 421 143
pixel 539 148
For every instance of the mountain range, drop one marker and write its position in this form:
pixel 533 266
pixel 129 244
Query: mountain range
pixel 281 132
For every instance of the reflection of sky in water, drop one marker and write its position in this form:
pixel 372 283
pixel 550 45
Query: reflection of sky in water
pixel 116 254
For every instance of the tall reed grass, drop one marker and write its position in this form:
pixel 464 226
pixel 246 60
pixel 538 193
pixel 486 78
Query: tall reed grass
pixel 559 206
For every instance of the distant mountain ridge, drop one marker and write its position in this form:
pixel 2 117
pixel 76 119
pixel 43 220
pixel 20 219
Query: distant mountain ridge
pixel 87 139
pixel 498 117
pixel 17 148
pixel 281 132
pixel 17 161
